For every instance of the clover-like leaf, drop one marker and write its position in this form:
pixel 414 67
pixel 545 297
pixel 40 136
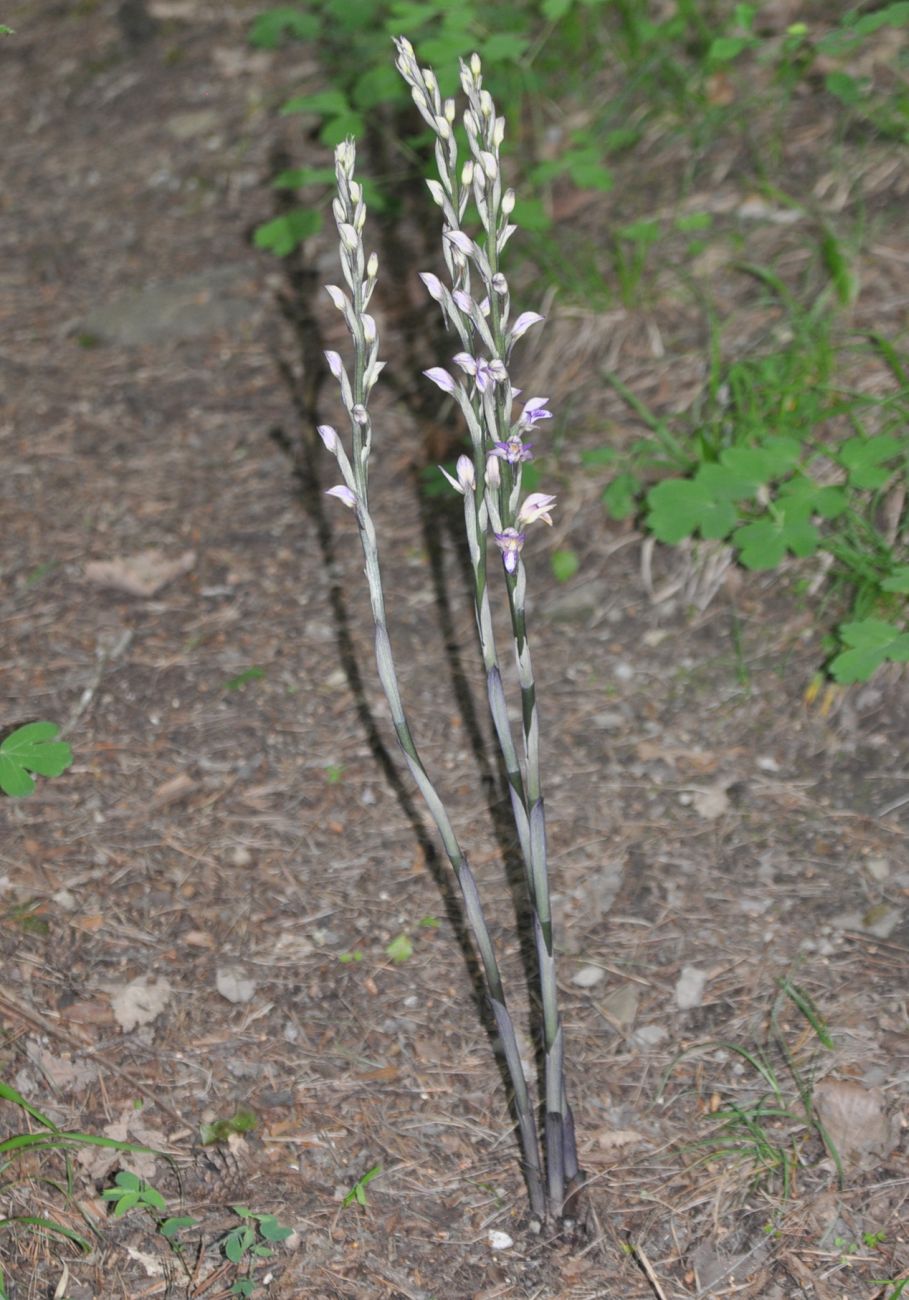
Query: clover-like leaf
pixel 680 507
pixel 872 641
pixel 864 458
pixel 31 749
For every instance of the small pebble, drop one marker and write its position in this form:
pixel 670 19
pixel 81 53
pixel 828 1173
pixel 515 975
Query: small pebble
pixel 499 1240
pixel 588 976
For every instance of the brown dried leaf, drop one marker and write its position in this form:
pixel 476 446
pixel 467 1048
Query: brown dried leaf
pixel 142 575
pixel 855 1120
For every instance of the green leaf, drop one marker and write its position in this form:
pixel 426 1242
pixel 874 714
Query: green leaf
pixel 31 748
pixel 296 177
pixel 680 507
pixel 599 456
pixel 726 48
pixel 238 1242
pixel 565 564
pixel 553 10
pixel 504 47
pixel 620 497
pixel 846 89
pixel 694 221
pixel 760 465
pixel 761 544
pixel 339 128
pixel 873 642
pixel 864 458
pixel 271 1229
pixel 270 28
pixel 898 580
pixel 805 494
pixel 170 1227
pixel 379 85
pixel 249 675
pixel 327 103
pixel 400 949
pixel 893 15
pixel 283 234
pixel 530 214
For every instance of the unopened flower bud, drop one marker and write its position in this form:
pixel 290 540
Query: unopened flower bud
pixel 449 109
pixel 443 128
pixel 493 472
pixel 436 191
pixel 490 166
pixel 498 134
pixel 508 202
pixel 372 267
pixel 329 437
pixel 429 79
pixel 467 174
pixel 356 191
pixel 476 66
pixel 360 414
pixel 348 236
pixel 369 327
pixel 487 107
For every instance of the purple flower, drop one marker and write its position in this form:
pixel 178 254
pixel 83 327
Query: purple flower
pixel 510 542
pixel 463 243
pixel 534 409
pixel 343 494
pixel 329 437
pixel 335 364
pixel 514 450
pixel 441 378
pixel 536 506
pixel 523 324
pixel 486 373
pixel 433 285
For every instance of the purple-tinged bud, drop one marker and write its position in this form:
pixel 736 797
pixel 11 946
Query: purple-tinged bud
pixel 338 296
pixel 523 324
pixel 466 479
pixel 335 364
pixel 464 301
pixel 463 243
pixel 433 285
pixel 329 436
pixel 369 327
pixel 510 542
pixel 499 283
pixel 344 495
pixel 441 378
pixel 360 414
pixel 493 472
pixel 536 506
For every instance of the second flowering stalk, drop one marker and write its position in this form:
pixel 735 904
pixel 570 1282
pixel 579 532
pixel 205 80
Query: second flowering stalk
pixel 490 481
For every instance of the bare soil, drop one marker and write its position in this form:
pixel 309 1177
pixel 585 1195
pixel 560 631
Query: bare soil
pixel 244 844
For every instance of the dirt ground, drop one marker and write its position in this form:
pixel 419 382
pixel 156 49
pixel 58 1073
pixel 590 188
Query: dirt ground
pixel 194 919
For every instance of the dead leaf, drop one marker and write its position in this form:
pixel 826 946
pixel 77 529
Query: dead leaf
pixel 142 575
pixel 172 791
pixel 233 986
pixel 855 1121
pixel 711 802
pixel 613 1139
pixel 141 1001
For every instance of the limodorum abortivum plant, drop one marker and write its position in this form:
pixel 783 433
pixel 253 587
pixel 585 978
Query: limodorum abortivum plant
pixel 475 301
